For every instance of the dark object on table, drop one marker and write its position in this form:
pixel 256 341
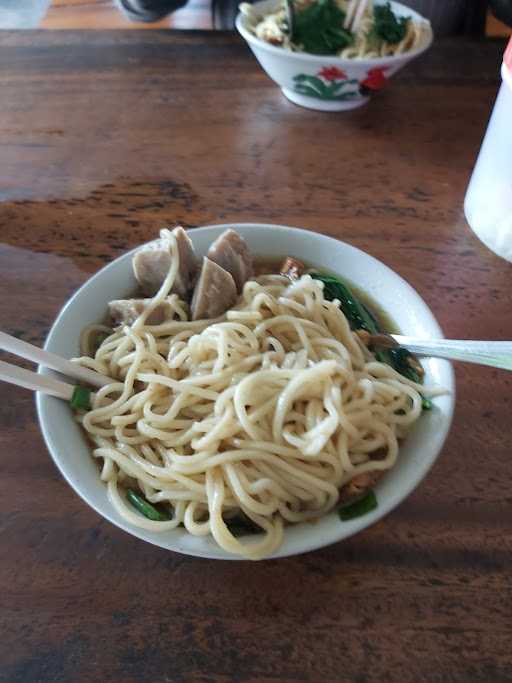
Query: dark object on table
pixel 446 17
pixel 452 17
pixel 149 10
pixel 502 10
pixel 223 11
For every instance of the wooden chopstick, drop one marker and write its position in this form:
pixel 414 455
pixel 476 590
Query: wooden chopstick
pixel 355 11
pixel 32 380
pixel 30 352
pixel 352 5
pixel 358 15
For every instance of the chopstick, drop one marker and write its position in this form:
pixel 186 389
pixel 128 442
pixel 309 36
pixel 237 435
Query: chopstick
pixel 30 352
pixel 32 380
pixel 355 11
pixel 79 396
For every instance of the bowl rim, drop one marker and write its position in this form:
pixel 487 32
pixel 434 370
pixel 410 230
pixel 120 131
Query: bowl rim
pixel 333 59
pixel 309 542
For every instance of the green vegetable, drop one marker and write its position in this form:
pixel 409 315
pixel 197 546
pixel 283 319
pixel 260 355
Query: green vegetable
pixel 400 359
pixel 81 398
pixel 359 507
pixel 387 26
pixel 426 403
pixel 360 318
pixel 242 525
pixel 319 28
pixel 357 315
pixel 145 508
pixel 371 316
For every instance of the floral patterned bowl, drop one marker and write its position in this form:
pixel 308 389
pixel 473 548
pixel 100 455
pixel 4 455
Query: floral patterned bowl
pixel 322 82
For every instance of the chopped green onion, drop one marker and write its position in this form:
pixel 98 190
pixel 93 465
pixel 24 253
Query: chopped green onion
pixel 81 398
pixel 145 508
pixel 426 403
pixel 359 507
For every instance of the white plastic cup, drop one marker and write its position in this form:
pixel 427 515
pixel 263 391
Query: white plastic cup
pixel 488 202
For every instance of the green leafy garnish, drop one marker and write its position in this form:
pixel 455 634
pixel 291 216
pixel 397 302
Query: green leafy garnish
pixel 360 318
pixel 387 26
pixel 400 359
pixel 145 508
pixel 81 398
pixel 318 28
pixel 242 525
pixel 359 507
pixel 357 315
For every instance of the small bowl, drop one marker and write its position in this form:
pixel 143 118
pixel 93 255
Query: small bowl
pixel 331 83
pixel 72 455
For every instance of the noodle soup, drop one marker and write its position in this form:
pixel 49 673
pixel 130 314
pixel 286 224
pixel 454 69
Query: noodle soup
pixel 323 64
pixel 320 27
pixel 269 415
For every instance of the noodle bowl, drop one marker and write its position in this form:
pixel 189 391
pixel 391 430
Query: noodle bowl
pixel 339 77
pixel 71 450
pixel 270 410
pixel 272 27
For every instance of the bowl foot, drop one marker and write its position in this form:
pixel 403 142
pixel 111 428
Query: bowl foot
pixel 323 105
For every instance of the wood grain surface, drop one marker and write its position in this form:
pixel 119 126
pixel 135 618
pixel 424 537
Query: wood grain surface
pixel 105 138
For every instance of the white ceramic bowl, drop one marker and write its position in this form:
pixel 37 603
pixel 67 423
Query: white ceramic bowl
pixel 68 446
pixel 321 81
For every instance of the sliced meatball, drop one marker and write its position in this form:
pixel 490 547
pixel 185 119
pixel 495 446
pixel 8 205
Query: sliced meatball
pixel 126 311
pixel 189 263
pixel 230 251
pixel 215 292
pixel 151 265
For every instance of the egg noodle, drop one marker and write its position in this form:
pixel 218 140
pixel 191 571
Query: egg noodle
pixel 269 410
pixel 271 29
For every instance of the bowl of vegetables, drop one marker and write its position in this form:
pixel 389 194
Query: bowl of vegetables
pixel 322 58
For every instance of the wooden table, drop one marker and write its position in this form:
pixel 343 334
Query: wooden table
pixel 105 138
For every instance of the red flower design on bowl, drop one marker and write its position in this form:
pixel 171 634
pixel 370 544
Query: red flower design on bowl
pixel 332 73
pixel 375 79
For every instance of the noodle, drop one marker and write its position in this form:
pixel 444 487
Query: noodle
pixel 272 29
pixel 268 411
